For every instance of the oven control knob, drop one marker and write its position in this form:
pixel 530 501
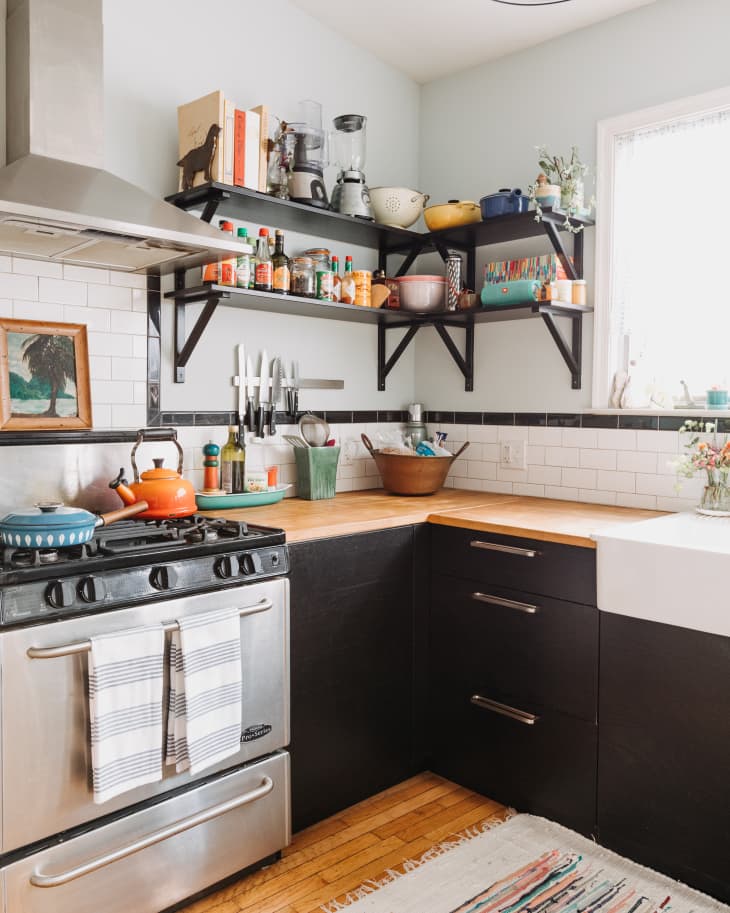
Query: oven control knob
pixel 60 594
pixel 92 589
pixel 226 567
pixel 251 563
pixel 163 577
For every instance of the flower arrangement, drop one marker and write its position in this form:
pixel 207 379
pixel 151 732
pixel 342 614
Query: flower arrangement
pixel 711 457
pixel 569 175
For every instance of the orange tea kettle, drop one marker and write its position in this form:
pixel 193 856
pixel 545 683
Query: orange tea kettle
pixel 166 492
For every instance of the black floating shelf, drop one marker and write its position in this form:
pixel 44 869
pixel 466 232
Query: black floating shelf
pixel 252 206
pixel 33 438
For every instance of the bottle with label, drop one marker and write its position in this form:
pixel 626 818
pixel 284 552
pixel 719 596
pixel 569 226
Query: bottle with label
pixel 243 263
pixel 227 267
pixel 347 286
pixel 336 280
pixel 280 262
pixel 212 271
pixel 233 464
pixel 264 281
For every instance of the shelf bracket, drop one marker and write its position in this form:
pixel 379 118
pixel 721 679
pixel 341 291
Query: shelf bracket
pixel 572 271
pixel 465 363
pixel 386 365
pixel 185 346
pixel 572 354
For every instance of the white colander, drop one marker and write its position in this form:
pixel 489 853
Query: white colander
pixel 398 207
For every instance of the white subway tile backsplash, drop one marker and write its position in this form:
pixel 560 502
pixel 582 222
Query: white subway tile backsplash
pixel 642 502
pixel 468 483
pixel 512 433
pixel 676 504
pixel 511 475
pixel 6 264
pixel 101 415
pixel 580 437
pixel 37 268
pixel 636 461
pixel 618 439
pixel 500 488
pixel 597 497
pixel 616 481
pixel 129 323
pixel 116 392
pixel 38 310
pixel 480 470
pixel 139 300
pixel 560 493
pixel 482 434
pixel 110 344
pixel 667 486
pixel 579 478
pixel 128 280
pixel 528 490
pixel 16 286
pixel 491 452
pixel 129 416
pixel 6 307
pixel 86 274
pixel 93 318
pixel 544 475
pixel 129 369
pixel 561 456
pixel 114 297
pixel 140 393
pixel 597 459
pixel 547 437
pixel 535 454
pixel 100 367
pixel 60 291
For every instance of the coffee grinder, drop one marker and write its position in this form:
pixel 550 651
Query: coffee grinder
pixel 350 194
pixel 306 181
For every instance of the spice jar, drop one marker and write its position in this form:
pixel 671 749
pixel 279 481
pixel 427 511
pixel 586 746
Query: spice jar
pixel 303 279
pixel 579 291
pixel 363 287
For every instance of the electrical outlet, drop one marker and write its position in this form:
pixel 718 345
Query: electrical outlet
pixel 513 455
pixel 347 453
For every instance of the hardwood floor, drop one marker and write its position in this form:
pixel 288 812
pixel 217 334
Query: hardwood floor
pixel 336 855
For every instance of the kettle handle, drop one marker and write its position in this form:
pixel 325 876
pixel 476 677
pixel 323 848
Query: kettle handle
pixel 157 434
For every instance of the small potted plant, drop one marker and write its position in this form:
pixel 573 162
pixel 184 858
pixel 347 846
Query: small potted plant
pixel 711 457
pixel 561 183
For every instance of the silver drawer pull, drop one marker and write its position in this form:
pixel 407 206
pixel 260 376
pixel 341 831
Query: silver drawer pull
pixel 39 880
pixel 525 607
pixel 507 549
pixel 83 646
pixel 529 719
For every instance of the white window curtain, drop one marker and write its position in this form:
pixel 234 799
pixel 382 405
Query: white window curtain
pixel 670 261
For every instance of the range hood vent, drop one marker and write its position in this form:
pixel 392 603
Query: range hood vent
pixel 56 202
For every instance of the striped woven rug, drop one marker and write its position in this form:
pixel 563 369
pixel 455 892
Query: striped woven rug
pixel 525 865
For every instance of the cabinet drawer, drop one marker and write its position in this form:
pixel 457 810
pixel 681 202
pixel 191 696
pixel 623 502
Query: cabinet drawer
pixel 542 763
pixel 562 571
pixel 522 648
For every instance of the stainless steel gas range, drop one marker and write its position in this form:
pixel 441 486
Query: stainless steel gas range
pixel 153 847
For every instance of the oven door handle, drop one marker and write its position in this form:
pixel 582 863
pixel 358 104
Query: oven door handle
pixel 39 880
pixel 84 646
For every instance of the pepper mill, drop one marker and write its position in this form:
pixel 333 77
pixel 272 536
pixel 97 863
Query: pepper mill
pixel 211 472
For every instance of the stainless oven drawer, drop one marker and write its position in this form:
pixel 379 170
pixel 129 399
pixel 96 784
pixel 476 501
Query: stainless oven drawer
pixel 46 754
pixel 105 869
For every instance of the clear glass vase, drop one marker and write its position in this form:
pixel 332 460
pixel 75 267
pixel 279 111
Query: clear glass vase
pixel 716 499
pixel 572 196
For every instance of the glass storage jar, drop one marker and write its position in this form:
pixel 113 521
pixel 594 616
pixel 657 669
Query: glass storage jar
pixel 303 278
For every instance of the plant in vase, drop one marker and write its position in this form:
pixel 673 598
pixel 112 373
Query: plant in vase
pixel 711 457
pixel 563 175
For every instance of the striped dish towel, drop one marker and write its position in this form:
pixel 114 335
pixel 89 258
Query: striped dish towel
pixel 125 708
pixel 204 713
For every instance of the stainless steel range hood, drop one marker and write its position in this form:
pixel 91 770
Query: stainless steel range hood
pixel 56 201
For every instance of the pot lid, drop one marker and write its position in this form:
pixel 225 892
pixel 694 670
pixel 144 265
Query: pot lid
pixel 420 279
pixel 49 515
pixel 159 473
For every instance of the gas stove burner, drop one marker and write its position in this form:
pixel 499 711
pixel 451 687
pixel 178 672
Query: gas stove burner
pixel 201 533
pixel 47 555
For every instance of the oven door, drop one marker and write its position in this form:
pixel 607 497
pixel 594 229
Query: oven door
pixel 46 753
pixel 156 857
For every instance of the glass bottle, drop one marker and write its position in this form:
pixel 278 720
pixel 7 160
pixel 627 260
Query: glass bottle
pixel 347 286
pixel 336 280
pixel 264 281
pixel 233 462
pixel 280 262
pixel 227 267
pixel 243 263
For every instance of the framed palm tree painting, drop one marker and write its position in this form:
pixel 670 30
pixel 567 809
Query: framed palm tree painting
pixel 44 376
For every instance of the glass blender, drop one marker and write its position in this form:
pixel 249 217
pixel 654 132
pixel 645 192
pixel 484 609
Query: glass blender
pixel 306 181
pixel 350 194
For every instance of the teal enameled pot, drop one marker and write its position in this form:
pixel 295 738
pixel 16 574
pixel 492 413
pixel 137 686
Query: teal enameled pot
pixel 51 525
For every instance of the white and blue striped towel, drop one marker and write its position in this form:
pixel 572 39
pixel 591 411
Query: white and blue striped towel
pixel 204 714
pixel 125 709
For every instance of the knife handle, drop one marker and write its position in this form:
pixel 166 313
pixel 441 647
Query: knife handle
pixel 295 403
pixel 260 422
pixel 250 415
pixel 272 420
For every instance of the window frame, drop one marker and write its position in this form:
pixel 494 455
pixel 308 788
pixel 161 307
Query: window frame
pixel 606 133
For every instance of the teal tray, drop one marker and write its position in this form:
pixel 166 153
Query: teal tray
pixel 240 499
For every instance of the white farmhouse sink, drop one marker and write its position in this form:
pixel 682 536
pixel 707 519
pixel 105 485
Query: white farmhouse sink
pixel 673 569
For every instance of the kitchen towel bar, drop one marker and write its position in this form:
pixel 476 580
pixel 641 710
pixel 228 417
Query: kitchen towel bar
pixel 84 646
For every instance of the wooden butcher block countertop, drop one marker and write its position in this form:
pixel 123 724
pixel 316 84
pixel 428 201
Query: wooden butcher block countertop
pixel 568 522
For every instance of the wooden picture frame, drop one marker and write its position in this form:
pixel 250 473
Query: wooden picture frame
pixel 44 376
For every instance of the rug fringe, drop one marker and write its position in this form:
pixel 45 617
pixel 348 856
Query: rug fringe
pixel 410 865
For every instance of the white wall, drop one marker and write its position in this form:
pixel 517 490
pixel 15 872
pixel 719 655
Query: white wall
pixel 3 15
pixel 478 133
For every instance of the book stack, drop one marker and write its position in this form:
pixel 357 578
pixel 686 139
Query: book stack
pixel 545 269
pixel 241 155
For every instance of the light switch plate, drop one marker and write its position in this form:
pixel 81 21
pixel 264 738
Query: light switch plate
pixel 513 455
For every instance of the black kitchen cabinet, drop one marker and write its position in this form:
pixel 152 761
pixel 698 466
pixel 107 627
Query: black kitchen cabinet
pixel 513 672
pixel 353 675
pixel 664 749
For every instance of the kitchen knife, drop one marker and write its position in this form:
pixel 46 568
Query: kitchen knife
pixel 250 413
pixel 295 389
pixel 263 395
pixel 241 393
pixel 275 392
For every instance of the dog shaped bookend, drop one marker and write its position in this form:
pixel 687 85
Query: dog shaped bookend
pixel 200 159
